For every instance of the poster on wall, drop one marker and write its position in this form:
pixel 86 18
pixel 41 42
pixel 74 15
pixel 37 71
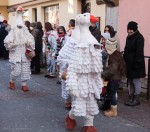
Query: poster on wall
pixel 98 23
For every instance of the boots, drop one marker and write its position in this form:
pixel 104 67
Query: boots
pixel 11 85
pixel 129 100
pixel 135 101
pixel 89 129
pixel 112 112
pixel 70 123
pixel 25 88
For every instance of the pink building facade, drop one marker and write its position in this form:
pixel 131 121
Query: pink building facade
pixel 134 10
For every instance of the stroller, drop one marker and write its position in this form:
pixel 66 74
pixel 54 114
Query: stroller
pixel 104 102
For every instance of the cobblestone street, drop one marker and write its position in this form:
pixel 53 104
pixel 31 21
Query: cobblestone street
pixel 42 108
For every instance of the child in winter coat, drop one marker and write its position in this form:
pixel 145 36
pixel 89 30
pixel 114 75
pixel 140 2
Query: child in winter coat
pixel 114 70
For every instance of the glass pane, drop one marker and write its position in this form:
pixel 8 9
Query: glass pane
pixel 86 6
pixel 51 15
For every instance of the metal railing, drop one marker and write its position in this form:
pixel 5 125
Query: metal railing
pixel 148 78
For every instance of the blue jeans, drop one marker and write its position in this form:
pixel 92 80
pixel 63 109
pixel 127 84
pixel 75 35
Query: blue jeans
pixel 135 86
pixel 51 68
pixel 112 90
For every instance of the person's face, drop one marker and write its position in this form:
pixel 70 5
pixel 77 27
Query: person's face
pixel 60 31
pixel 106 30
pixel 103 41
pixel 31 28
pixel 130 31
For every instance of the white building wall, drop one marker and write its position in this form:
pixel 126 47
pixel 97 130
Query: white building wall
pixel 68 9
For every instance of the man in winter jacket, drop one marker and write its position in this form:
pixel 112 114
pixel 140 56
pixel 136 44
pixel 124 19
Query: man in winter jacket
pixel 135 64
pixel 94 30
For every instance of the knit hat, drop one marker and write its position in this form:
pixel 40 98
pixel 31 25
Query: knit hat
pixel 5 21
pixel 110 47
pixel 19 19
pixel 106 35
pixel 132 25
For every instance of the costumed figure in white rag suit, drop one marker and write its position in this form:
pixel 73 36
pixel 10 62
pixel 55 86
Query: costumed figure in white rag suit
pixel 19 41
pixel 83 81
pixel 64 56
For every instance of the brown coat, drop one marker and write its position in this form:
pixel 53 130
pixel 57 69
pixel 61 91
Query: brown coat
pixel 112 71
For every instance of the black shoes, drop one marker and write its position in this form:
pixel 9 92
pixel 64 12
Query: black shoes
pixel 35 72
pixel 134 100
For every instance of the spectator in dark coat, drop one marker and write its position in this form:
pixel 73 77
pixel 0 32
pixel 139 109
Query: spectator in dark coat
pixel 3 33
pixel 27 23
pixel 135 64
pixel 37 34
pixel 94 30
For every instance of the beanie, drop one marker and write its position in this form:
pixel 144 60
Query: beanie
pixel 5 21
pixel 132 25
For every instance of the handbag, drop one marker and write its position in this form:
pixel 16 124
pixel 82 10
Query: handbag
pixel 29 53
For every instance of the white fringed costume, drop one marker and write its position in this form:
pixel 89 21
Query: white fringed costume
pixel 84 81
pixel 66 53
pixel 16 42
pixel 84 72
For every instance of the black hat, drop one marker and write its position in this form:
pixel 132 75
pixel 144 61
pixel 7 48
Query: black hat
pixel 132 25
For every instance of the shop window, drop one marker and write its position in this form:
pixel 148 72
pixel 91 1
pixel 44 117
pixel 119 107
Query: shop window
pixel 51 15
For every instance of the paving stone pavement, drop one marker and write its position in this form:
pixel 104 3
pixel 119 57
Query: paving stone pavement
pixel 42 108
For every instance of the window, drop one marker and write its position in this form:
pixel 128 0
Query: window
pixel 86 6
pixel 51 15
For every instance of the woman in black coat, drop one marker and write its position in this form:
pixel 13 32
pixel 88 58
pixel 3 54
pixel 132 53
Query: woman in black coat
pixel 135 64
pixel 37 33
pixel 3 33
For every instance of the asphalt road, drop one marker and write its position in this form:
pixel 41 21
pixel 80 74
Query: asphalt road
pixel 42 108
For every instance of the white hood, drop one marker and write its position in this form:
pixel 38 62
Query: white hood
pixel 19 19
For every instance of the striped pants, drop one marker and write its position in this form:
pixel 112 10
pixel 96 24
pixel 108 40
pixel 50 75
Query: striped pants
pixel 20 68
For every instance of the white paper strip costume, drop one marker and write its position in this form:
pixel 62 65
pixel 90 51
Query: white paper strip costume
pixel 16 42
pixel 84 81
pixel 66 53
pixel 84 72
